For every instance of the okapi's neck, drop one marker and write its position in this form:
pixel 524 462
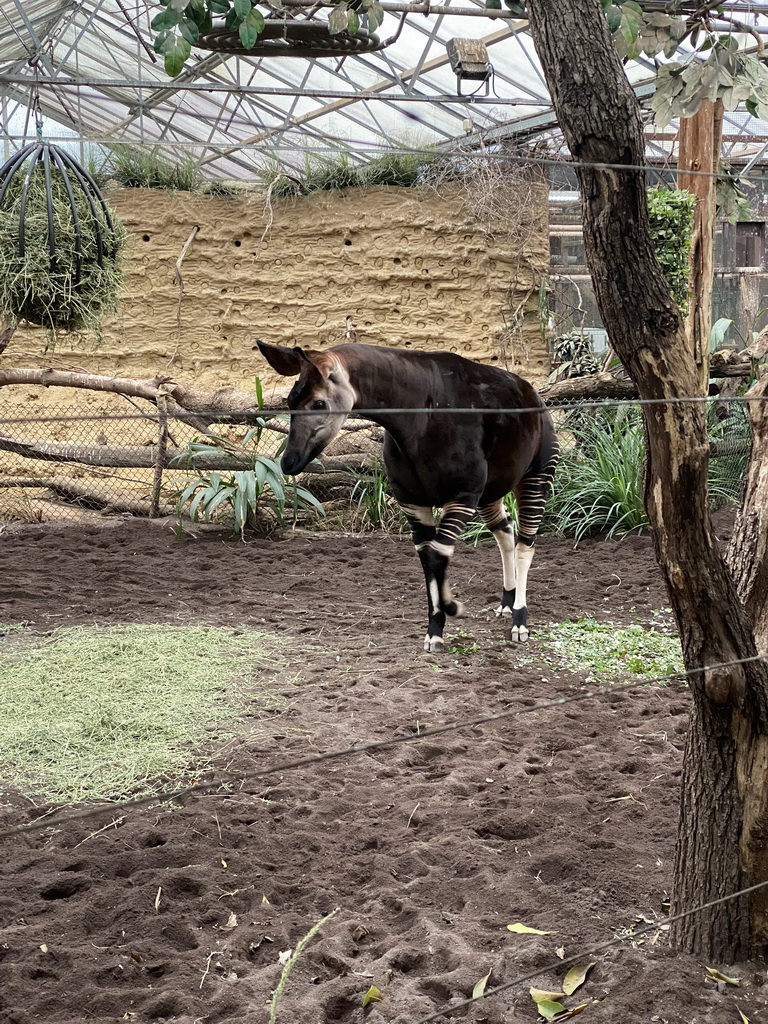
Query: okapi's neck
pixel 386 379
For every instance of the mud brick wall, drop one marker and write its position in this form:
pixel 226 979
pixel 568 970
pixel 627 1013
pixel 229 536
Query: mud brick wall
pixel 410 267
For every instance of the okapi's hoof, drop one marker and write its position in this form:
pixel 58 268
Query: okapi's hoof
pixel 503 610
pixel 520 634
pixel 434 644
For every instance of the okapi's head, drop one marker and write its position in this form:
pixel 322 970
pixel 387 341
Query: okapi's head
pixel 323 397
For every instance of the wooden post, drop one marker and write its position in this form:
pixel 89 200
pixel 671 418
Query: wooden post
pixel 700 143
pixel 162 447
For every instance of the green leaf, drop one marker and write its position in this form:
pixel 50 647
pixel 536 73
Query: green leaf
pixel 523 929
pixel 540 995
pixel 219 6
pixel 548 1008
pixel 165 20
pixel 189 31
pixel 353 25
pixel 375 15
pixel 493 5
pixel 175 56
pixel 373 995
pixel 248 34
pixel 337 20
pixel 179 5
pixel 242 8
pixel 259 392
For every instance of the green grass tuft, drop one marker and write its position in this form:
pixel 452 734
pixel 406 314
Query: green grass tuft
pixel 103 711
pixel 608 652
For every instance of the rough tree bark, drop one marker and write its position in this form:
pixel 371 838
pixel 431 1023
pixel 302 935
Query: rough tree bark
pixel 724 805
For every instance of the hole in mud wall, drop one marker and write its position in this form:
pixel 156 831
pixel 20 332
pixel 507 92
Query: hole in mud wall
pixel 145 238
pixel 347 242
pixel 238 243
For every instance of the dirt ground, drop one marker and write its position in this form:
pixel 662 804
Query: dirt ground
pixel 562 819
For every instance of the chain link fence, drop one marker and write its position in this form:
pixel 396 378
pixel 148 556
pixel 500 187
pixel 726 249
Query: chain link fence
pixel 70 463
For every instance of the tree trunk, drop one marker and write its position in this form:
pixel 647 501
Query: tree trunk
pixel 722 790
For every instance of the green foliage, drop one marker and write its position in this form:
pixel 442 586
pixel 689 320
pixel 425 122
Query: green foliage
pixel 573 356
pixel 608 652
pixel 135 167
pixel 598 484
pixel 735 78
pixel 399 168
pixel 728 426
pixel 43 291
pixel 671 216
pixel 373 507
pixel 180 23
pixel 732 202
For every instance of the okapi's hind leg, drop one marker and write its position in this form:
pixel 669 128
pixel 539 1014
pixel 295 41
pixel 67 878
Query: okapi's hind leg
pixel 435 547
pixel 517 556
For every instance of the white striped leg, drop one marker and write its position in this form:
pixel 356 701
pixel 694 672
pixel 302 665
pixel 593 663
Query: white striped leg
pixel 531 498
pixel 435 552
pixel 499 523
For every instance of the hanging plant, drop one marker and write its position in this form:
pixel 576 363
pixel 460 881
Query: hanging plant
pixel 60 247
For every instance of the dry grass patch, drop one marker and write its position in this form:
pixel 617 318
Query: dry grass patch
pixel 103 711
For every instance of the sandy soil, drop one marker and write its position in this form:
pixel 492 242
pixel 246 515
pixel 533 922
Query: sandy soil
pixel 563 819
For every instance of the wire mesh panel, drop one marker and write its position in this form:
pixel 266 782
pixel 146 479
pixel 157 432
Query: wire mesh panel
pixel 66 462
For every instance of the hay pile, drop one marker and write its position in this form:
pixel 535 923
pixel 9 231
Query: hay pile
pixel 46 292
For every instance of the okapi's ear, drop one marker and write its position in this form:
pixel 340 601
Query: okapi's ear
pixel 287 361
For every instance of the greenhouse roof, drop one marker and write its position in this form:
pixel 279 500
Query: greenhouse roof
pixel 92 65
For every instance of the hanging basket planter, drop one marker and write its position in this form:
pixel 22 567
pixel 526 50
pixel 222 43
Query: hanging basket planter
pixel 292 38
pixel 59 244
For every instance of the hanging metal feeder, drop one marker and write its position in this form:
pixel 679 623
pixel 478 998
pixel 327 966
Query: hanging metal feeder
pixel 50 156
pixel 59 243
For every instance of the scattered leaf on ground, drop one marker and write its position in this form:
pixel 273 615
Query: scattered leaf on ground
pixel 373 995
pixel 574 1011
pixel 523 929
pixel 479 988
pixel 723 977
pixel 744 1019
pixel 284 956
pixel 231 923
pixel 540 995
pixel 576 977
pixel 560 952
pixel 549 1009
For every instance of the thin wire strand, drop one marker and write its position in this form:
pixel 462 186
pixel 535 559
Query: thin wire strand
pixel 203 788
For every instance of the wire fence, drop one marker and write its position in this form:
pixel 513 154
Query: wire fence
pixel 64 462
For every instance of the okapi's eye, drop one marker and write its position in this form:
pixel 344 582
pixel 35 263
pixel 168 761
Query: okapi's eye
pixel 319 404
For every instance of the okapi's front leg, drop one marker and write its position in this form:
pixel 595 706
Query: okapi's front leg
pixel 435 547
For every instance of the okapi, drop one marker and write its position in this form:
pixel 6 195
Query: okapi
pixel 462 462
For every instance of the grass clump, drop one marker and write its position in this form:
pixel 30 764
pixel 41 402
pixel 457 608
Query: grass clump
pixel 102 711
pixel 599 480
pixel 46 291
pixel 133 167
pixel 607 652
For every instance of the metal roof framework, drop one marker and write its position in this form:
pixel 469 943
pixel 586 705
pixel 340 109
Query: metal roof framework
pixel 99 82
